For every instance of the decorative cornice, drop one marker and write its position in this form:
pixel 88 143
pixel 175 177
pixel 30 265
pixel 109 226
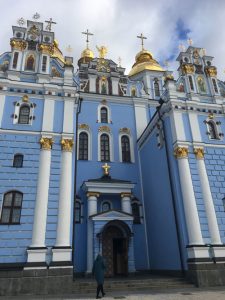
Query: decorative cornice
pixel 104 129
pixel 83 126
pixel 181 152
pixel 125 195
pixel 125 130
pixel 187 68
pixel 67 145
pixel 18 45
pixel 211 71
pixel 46 49
pixel 93 194
pixel 199 153
pixel 46 143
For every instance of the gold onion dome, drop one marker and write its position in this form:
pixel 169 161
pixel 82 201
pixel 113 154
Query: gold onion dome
pixel 144 61
pixel 86 56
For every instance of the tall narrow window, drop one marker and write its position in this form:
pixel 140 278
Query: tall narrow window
pixel 44 63
pixel 83 146
pixel 104 115
pixel 18 161
pixel 30 63
pixel 201 85
pixel 125 144
pixel 191 83
pixel 156 88
pixel 15 59
pixel 105 152
pixel 215 85
pixel 24 114
pixel 78 212
pixel 136 212
pixel 212 130
pixel 11 209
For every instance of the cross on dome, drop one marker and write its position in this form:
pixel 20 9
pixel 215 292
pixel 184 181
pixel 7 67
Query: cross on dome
pixel 142 37
pixel 49 26
pixel 87 33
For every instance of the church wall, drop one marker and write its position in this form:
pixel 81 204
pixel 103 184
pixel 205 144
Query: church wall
pixel 161 230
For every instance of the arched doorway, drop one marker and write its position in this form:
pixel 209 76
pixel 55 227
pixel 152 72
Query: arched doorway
pixel 115 241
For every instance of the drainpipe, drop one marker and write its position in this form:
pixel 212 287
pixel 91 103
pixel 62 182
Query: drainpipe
pixel 178 232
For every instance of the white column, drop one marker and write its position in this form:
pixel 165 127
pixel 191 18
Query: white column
pixel 126 203
pixel 207 197
pixel 190 208
pixel 92 209
pixel 41 205
pixel 62 250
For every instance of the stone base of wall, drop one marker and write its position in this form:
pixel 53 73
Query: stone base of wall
pixel 206 274
pixel 36 281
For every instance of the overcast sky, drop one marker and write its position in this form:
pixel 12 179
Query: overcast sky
pixel 116 23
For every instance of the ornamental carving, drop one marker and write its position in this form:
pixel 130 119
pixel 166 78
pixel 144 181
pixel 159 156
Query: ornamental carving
pixel 187 68
pixel 125 195
pixel 83 126
pixel 46 143
pixel 199 153
pixel 67 144
pixel 211 71
pixel 18 45
pixel 125 130
pixel 104 102
pixel 104 129
pixel 25 98
pixel 46 49
pixel 93 194
pixel 181 152
pixel 55 72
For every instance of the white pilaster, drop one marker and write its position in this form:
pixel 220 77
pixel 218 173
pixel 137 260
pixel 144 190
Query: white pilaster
pixel 68 116
pixel 2 106
pixel 64 209
pixel 48 115
pixel 207 197
pixel 190 208
pixel 41 205
pixel 126 203
pixel 92 209
pixel 115 86
pixel 92 81
pixel 140 117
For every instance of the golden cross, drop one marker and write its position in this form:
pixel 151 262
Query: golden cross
pixel 142 40
pixel 87 33
pixel 190 42
pixel 106 168
pixel 69 49
pixel 49 26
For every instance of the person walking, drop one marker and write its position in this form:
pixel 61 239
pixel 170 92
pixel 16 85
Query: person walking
pixel 98 271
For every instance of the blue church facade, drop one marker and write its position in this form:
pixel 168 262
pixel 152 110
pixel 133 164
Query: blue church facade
pixel 131 166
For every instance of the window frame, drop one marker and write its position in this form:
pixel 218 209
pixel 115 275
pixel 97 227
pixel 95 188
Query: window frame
pixel 11 207
pixel 215 130
pixel 125 154
pixel 104 146
pixel 29 55
pixel 83 148
pixel 80 211
pixel 105 118
pixel 156 83
pixel 15 60
pixel 44 63
pixel 14 160
pixel 22 106
pixel 108 113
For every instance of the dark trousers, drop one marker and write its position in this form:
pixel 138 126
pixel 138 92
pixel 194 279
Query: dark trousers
pixel 100 289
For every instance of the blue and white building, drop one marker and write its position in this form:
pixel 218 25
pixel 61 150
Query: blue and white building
pixel 132 166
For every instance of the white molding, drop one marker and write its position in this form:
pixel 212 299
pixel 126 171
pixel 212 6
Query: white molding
pixel 177 126
pixel 140 117
pixel 108 188
pixel 17 112
pixel 111 145
pixel 48 115
pixel 2 106
pixel 108 113
pixel 68 119
pixel 89 133
pixel 194 124
pixel 131 147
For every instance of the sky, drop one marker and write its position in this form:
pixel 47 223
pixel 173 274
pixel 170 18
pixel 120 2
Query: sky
pixel 116 24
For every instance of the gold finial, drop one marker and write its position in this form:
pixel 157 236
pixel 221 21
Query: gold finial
pixel 182 48
pixel 102 51
pixel 21 22
pixel 49 24
pixel 87 33
pixel 119 60
pixel 190 42
pixel 106 168
pixel 142 37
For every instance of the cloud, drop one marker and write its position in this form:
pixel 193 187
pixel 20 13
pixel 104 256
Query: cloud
pixel 116 23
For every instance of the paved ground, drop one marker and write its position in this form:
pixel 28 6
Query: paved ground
pixel 184 294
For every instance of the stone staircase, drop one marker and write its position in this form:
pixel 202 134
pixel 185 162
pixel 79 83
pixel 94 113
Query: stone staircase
pixel 86 286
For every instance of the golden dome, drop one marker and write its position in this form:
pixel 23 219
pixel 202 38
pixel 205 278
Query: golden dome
pixel 87 53
pixel 144 61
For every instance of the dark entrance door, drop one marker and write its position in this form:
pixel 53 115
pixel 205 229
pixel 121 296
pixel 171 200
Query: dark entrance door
pixel 115 251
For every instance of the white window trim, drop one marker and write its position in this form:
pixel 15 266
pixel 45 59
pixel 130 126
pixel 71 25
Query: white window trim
pixel 206 85
pixel 218 130
pixel 28 53
pixel 157 80
pixel 99 113
pixel 110 145
pixel 194 85
pixel 216 93
pixel 17 112
pixel 131 147
pixel 108 201
pixel 88 131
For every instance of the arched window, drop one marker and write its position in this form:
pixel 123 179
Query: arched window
pixel 104 144
pixel 24 114
pixel 215 85
pixel 83 146
pixel 191 83
pixel 212 130
pixel 106 206
pixel 11 209
pixel 30 63
pixel 78 212
pixel 104 115
pixel 156 88
pixel 125 145
pixel 136 213
pixel 18 161
pixel 44 63
pixel 201 85
pixel 15 59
